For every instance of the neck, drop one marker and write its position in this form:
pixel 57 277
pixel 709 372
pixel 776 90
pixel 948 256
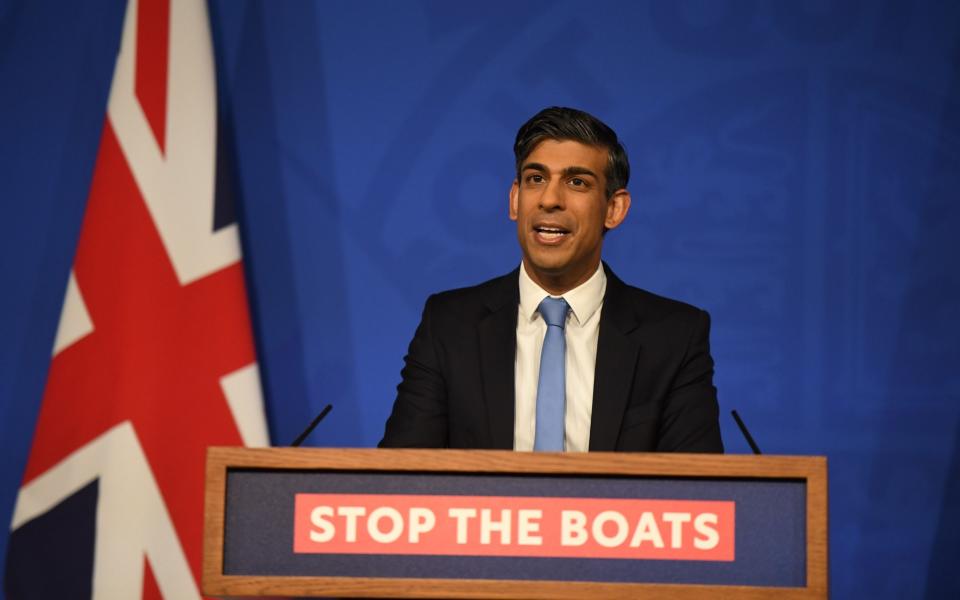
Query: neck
pixel 557 284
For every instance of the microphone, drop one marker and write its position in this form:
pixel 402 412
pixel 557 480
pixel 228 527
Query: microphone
pixel 311 427
pixel 746 434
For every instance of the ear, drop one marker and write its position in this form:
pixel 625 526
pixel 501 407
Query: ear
pixel 514 200
pixel 617 208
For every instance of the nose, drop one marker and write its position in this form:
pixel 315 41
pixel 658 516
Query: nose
pixel 552 197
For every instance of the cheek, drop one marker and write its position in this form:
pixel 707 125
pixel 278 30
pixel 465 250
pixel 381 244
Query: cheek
pixel 596 219
pixel 526 206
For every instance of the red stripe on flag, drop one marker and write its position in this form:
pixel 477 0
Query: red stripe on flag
pixel 156 350
pixel 156 353
pixel 153 44
pixel 151 591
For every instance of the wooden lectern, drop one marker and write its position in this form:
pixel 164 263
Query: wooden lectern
pixel 499 524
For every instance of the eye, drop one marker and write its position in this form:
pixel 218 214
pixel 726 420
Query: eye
pixel 577 182
pixel 535 178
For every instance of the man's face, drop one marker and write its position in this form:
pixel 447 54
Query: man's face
pixel 561 209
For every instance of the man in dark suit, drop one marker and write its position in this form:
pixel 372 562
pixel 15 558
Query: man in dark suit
pixel 635 372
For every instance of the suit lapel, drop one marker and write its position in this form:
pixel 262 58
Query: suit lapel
pixel 498 345
pixel 617 351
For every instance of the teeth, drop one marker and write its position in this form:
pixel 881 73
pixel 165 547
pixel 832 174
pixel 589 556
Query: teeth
pixel 550 233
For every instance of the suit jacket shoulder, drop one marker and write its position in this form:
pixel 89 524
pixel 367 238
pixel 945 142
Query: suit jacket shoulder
pixel 622 297
pixel 477 301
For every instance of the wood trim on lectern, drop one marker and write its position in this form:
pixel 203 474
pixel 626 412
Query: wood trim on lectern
pixel 811 469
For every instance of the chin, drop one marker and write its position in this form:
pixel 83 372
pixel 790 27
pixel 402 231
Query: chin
pixel 551 269
pixel 549 264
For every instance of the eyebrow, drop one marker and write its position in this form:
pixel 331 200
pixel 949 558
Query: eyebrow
pixel 567 172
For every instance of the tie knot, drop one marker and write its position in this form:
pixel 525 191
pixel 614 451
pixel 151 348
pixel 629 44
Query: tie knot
pixel 554 311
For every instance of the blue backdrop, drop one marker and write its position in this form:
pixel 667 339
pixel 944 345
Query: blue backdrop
pixel 796 173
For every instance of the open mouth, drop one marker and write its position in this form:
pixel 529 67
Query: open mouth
pixel 549 233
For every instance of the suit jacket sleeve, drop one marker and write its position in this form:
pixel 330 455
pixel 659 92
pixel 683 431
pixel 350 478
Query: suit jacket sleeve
pixel 690 418
pixel 419 417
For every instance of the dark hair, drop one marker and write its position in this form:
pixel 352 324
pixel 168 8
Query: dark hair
pixel 560 123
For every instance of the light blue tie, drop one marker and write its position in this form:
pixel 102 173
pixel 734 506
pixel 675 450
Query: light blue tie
pixel 551 388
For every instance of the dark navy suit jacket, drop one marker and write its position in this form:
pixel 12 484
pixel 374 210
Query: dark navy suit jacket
pixel 653 386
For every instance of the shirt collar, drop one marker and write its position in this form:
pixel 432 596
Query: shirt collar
pixel 584 300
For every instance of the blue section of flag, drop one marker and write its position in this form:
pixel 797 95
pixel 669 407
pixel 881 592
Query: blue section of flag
pixel 51 556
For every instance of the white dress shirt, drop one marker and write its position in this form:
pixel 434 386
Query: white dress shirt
pixel 582 331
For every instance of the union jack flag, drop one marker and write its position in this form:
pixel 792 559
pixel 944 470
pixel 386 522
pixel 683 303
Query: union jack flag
pixel 154 358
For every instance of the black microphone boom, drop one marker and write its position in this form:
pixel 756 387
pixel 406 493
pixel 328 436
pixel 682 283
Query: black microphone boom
pixel 312 426
pixel 746 434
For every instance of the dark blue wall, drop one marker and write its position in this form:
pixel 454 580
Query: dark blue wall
pixel 796 173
